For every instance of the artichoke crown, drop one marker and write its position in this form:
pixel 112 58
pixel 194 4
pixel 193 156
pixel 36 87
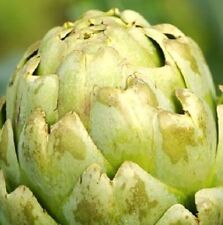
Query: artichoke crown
pixel 110 120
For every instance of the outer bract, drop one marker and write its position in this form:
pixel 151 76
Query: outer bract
pixel 111 121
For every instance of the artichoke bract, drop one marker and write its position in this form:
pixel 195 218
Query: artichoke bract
pixel 111 121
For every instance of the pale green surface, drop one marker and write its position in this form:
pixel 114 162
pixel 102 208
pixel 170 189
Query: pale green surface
pixel 110 120
pixel 133 197
pixel 23 22
pixel 177 215
pixel 52 163
pixel 21 208
pixel 8 158
pixel 209 204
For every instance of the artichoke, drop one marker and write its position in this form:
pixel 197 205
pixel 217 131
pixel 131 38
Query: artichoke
pixel 111 121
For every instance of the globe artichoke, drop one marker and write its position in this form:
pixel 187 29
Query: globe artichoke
pixel 111 121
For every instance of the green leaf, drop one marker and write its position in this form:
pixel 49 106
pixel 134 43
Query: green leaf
pixel 209 204
pixel 178 215
pixel 133 197
pixel 21 207
pixel 51 163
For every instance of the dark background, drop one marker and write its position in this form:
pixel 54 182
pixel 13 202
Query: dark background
pixel 22 22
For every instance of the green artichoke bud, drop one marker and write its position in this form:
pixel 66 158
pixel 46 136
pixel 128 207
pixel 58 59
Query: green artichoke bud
pixel 110 120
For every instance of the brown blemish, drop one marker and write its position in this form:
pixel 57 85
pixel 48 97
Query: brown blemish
pixel 28 213
pixel 183 48
pixel 138 201
pixel 75 145
pixel 87 212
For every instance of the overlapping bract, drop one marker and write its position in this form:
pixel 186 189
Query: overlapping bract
pixel 110 120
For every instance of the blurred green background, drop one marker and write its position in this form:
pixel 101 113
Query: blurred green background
pixel 22 22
